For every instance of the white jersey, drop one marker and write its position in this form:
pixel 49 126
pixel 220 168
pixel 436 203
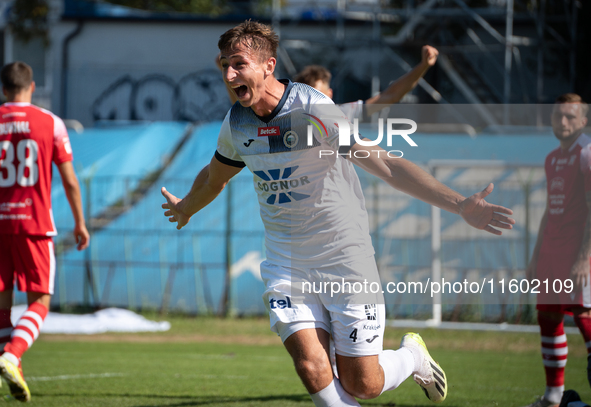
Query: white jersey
pixel 312 207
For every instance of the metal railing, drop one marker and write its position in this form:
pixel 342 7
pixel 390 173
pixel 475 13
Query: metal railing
pixel 138 260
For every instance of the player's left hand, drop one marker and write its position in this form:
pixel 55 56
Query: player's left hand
pixel 82 237
pixel 480 214
pixel 429 55
pixel 580 273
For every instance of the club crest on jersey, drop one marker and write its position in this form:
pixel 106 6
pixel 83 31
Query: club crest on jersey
pixel 557 184
pixel 269 131
pixel 290 139
pixel 371 312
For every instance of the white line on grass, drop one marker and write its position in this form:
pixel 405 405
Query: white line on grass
pixel 73 377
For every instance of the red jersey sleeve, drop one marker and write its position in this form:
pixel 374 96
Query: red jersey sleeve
pixel 62 150
pixel 586 166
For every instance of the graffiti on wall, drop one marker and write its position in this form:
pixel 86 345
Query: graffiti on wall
pixel 198 96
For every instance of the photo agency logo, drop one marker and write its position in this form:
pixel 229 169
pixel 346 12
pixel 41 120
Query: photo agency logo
pixel 391 128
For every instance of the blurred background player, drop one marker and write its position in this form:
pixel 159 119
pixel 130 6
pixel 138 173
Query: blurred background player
pixel 31 139
pixel 319 78
pixel 563 246
pixel 335 242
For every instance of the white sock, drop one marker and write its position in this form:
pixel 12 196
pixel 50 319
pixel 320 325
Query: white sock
pixel 554 394
pixel 333 395
pixel 397 366
pixel 11 358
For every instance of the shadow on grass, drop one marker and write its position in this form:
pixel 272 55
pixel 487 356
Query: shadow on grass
pixel 187 401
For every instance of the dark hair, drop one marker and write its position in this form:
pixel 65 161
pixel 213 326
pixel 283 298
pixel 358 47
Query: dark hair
pixel 256 36
pixel 573 98
pixel 16 76
pixel 312 74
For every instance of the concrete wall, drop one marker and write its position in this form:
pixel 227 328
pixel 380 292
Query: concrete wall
pixel 139 70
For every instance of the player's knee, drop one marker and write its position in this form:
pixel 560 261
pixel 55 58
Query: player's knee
pixel 309 370
pixel 361 386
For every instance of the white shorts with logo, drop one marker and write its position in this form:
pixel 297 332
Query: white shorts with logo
pixel 301 298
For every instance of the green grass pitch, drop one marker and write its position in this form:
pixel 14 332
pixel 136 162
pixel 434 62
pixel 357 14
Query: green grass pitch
pixel 211 362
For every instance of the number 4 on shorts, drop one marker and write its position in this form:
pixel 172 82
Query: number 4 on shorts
pixel 354 335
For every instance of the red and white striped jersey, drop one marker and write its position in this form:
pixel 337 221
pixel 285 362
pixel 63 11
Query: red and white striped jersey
pixel 31 139
pixel 568 174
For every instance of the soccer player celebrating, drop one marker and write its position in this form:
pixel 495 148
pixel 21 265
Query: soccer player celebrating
pixel 316 225
pixel 563 246
pixel 30 140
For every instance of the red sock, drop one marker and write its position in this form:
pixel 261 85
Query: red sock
pixel 584 324
pixel 554 350
pixel 5 328
pixel 26 330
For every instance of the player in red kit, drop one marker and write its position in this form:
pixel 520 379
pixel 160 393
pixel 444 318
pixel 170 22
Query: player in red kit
pixel 30 140
pixel 563 246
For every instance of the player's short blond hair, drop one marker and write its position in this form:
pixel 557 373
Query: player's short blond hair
pixel 312 74
pixel 257 37
pixel 16 76
pixel 573 98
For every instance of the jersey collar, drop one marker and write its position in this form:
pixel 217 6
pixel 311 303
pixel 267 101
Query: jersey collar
pixel 17 104
pixel 271 116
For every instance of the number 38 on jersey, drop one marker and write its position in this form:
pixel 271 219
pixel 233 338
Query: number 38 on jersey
pixel 18 164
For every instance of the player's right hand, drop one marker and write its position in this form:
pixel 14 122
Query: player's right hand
pixel 174 211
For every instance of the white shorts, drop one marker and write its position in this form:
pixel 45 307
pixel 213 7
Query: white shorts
pixel 301 298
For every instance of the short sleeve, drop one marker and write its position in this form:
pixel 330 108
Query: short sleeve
pixel 586 166
pixel 226 153
pixel 353 110
pixel 62 149
pixel 331 121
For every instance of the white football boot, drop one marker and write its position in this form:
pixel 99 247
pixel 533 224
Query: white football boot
pixel 429 375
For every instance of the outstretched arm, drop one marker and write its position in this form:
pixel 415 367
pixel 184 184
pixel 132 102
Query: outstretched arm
pixel 409 178
pixel 72 189
pixel 207 186
pixel 396 91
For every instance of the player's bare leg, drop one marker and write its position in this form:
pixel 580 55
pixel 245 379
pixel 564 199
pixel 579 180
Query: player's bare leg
pixel 309 351
pixel 362 377
pixel 369 376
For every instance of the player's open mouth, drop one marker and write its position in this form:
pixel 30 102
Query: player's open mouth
pixel 240 91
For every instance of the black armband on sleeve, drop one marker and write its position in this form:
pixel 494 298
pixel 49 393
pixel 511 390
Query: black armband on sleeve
pixel 227 161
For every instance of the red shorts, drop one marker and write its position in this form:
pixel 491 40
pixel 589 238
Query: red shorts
pixel 557 266
pixel 28 258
